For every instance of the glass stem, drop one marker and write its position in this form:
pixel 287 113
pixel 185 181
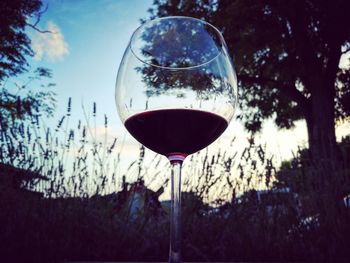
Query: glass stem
pixel 175 213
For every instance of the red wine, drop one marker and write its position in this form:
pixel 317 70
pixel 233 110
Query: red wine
pixel 181 131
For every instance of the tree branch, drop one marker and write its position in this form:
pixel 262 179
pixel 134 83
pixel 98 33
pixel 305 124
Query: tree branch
pixel 38 17
pixel 346 50
pixel 37 29
pixel 287 90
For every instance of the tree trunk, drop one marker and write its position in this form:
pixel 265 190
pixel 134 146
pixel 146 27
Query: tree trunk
pixel 320 121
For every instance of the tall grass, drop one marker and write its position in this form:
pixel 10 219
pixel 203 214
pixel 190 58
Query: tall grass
pixel 238 206
pixel 74 160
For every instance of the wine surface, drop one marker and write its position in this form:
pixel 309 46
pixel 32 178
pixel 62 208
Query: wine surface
pixel 169 131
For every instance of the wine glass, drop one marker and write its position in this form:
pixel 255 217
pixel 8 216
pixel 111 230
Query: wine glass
pixel 176 92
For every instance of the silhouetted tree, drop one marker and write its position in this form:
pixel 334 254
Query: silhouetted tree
pixel 14 42
pixel 287 55
pixel 197 45
pixel 15 49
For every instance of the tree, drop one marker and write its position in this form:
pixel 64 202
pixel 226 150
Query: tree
pixel 14 42
pixel 287 57
pixel 16 16
pixel 160 47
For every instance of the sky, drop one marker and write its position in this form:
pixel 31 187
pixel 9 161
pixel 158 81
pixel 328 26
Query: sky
pixel 84 52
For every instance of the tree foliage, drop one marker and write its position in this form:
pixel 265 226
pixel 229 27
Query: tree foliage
pixel 21 100
pixel 196 45
pixel 16 101
pixel 287 56
pixel 14 42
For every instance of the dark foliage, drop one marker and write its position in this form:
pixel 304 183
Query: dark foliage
pixel 18 98
pixel 287 56
pixel 281 223
pixel 14 42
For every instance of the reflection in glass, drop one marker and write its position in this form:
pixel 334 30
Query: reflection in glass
pixel 176 93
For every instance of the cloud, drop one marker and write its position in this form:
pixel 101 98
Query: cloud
pixel 345 61
pixel 50 45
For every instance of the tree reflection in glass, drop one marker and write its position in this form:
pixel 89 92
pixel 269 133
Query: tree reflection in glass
pixel 176 92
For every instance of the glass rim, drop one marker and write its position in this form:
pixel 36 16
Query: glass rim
pixel 177 17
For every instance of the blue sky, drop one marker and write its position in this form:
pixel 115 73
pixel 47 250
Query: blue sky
pixel 85 51
pixel 85 56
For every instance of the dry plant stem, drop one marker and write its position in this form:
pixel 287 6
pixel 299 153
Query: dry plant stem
pixel 175 213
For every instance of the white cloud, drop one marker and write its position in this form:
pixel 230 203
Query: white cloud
pixel 50 45
pixel 345 61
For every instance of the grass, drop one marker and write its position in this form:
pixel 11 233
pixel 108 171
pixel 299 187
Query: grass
pixel 77 219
